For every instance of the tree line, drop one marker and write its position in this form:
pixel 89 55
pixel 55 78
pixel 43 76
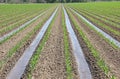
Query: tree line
pixel 48 1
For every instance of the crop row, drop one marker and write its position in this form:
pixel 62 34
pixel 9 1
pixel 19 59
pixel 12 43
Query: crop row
pixel 9 11
pixel 102 9
pixel 94 46
pixel 25 14
pixel 110 27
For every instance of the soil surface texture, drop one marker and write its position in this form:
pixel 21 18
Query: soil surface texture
pixel 51 64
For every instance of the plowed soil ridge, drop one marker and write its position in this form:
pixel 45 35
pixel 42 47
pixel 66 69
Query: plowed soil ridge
pixel 51 64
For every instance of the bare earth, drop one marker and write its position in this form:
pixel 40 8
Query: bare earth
pixel 51 64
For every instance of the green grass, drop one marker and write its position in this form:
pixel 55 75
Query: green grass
pixel 13 15
pixel 95 53
pixel 107 11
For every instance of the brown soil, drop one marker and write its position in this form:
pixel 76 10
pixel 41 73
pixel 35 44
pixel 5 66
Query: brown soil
pixel 110 55
pixel 51 64
pixel 117 37
pixel 5 47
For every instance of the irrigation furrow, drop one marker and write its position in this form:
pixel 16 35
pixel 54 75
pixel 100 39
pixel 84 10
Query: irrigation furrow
pixel 83 68
pixel 20 66
pixel 111 39
pixel 22 26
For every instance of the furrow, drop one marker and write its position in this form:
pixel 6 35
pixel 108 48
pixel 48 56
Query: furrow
pixel 83 68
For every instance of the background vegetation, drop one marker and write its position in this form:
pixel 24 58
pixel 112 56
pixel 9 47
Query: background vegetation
pixel 48 1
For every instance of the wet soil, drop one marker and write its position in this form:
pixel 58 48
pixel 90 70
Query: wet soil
pixel 110 55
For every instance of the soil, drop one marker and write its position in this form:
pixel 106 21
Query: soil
pixel 5 47
pixel 51 64
pixel 110 55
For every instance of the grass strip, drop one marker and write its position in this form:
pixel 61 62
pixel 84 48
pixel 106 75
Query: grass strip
pixel 94 52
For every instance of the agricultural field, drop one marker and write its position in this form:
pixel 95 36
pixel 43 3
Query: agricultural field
pixel 60 41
